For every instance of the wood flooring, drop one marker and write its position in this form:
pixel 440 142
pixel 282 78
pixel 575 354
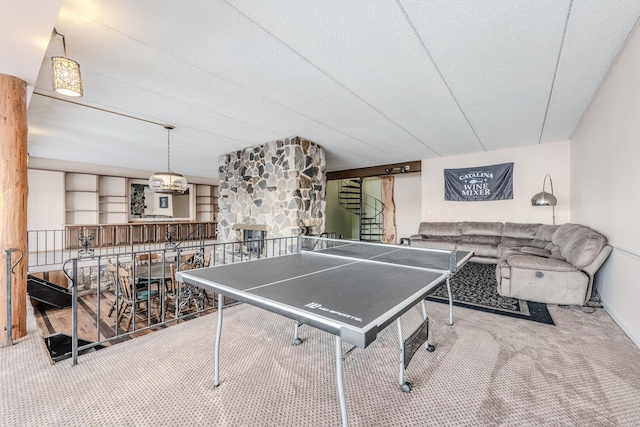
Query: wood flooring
pixel 58 320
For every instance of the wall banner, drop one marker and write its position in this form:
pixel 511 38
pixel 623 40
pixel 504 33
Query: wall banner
pixel 478 184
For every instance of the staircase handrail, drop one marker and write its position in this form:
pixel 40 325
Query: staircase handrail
pixel 10 267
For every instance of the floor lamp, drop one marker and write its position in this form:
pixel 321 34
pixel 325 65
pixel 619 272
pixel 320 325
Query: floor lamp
pixel 546 199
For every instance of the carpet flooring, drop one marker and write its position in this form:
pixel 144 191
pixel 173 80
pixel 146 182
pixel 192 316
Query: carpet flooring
pixel 475 287
pixel 486 370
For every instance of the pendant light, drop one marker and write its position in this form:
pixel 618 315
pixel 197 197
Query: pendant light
pixel 168 182
pixel 65 73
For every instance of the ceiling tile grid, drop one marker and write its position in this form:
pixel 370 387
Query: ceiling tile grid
pixel 372 81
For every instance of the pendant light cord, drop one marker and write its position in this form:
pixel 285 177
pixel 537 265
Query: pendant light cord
pixel 64 44
pixel 168 128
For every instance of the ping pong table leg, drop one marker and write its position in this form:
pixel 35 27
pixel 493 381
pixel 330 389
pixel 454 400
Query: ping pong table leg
pixel 296 339
pixel 404 385
pixel 450 302
pixel 216 381
pixel 340 384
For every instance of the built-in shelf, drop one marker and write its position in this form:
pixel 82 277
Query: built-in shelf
pixel 206 202
pixel 113 199
pixel 81 198
pixel 104 200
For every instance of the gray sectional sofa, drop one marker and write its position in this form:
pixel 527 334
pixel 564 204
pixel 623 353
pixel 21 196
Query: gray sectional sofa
pixel 535 262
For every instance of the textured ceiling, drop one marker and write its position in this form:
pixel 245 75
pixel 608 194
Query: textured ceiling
pixel 372 81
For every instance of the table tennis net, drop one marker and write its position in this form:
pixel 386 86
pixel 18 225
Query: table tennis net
pixel 401 255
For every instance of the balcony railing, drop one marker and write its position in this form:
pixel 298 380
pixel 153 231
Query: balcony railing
pixel 102 293
pixel 53 247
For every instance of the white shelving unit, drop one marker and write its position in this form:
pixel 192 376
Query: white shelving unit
pixel 95 199
pixel 206 202
pixel 113 200
pixel 81 198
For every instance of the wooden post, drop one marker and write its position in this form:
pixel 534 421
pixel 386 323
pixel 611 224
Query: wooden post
pixel 13 201
pixel 386 187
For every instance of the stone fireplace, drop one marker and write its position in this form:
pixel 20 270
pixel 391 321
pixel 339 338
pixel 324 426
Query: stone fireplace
pixel 276 189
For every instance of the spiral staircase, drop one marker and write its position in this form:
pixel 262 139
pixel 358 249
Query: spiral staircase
pixel 368 209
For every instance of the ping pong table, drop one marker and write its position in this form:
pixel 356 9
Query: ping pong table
pixel 350 289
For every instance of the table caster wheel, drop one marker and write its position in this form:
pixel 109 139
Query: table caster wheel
pixel 297 341
pixel 406 387
pixel 431 348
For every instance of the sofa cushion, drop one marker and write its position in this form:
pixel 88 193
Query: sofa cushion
pixel 582 248
pixel 520 231
pixel 482 228
pixel 555 251
pixel 544 235
pixel 479 249
pixel 489 240
pixel 564 233
pixel 533 262
pixel 513 241
pixel 505 249
pixel 437 229
pixel 532 250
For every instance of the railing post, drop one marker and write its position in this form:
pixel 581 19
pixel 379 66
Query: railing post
pixel 9 320
pixel 361 212
pixel 10 267
pixel 74 312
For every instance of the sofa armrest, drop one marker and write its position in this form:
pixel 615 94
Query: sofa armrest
pixel 533 262
pixel 417 237
pixel 535 251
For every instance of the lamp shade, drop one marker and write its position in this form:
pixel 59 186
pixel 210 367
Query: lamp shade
pixel 65 76
pixel 167 183
pixel 544 199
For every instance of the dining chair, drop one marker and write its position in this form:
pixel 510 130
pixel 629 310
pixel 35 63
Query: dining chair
pixel 126 290
pixel 173 290
pixel 187 298
pixel 148 258
pixel 111 268
pixel 188 258
pixel 143 261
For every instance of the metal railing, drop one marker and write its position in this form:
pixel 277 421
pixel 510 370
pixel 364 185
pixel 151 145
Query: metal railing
pixel 53 247
pixel 103 290
pixel 10 266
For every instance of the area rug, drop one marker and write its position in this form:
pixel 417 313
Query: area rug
pixel 475 287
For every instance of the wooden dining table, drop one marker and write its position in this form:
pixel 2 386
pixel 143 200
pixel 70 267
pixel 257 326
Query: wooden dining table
pixel 190 296
pixel 153 272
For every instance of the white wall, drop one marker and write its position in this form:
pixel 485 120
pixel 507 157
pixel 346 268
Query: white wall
pixel 531 163
pixel 407 192
pixel 45 203
pixel 605 157
pixel 45 209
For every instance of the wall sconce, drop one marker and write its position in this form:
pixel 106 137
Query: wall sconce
pixel 402 169
pixel 545 199
pixel 65 73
